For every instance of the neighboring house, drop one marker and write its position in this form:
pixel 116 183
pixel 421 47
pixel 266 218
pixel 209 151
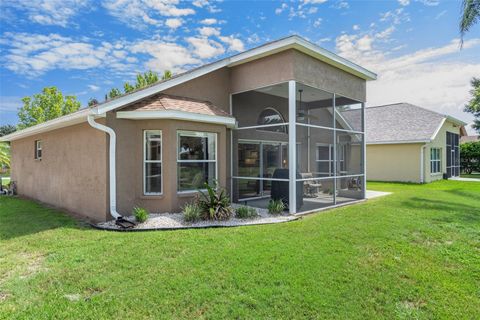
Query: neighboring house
pixel 411 144
pixel 465 139
pixel 265 123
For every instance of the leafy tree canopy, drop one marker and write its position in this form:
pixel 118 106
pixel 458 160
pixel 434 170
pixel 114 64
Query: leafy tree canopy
pixel 143 80
pixel 48 105
pixel 4 155
pixel 7 129
pixel 473 106
pixel 470 156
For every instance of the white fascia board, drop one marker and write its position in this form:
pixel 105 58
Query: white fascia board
pixel 456 121
pixel 438 129
pixel 177 115
pixel 61 122
pixel 399 142
pixel 294 42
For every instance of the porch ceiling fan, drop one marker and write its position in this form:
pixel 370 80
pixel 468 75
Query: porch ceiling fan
pixel 302 114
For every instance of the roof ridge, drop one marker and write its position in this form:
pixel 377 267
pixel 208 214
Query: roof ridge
pixel 410 104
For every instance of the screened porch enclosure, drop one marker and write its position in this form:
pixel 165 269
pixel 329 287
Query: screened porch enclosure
pixel 298 144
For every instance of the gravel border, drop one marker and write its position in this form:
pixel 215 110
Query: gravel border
pixel 174 221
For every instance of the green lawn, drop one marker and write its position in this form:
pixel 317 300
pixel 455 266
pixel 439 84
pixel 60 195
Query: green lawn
pixel 414 254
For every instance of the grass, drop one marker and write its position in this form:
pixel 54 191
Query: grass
pixel 5 181
pixel 414 254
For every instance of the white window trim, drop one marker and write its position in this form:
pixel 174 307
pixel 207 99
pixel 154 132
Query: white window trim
pixel 145 161
pixel 37 149
pixel 190 133
pixel 438 160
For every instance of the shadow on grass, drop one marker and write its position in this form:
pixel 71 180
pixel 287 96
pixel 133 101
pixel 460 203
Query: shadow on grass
pixel 20 217
pixel 453 211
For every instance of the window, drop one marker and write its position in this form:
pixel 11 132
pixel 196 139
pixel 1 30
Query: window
pixel 435 160
pixel 196 159
pixel 271 116
pixel 38 150
pixel 152 162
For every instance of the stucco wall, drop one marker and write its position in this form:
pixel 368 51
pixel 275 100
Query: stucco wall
pixel 130 162
pixel 394 162
pixel 262 72
pixel 320 75
pixel 440 141
pixel 213 87
pixel 72 173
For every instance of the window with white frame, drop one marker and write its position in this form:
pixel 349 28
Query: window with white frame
pixel 435 160
pixel 152 162
pixel 38 150
pixel 196 159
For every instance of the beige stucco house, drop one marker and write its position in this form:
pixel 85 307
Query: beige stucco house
pixel 266 123
pixel 411 144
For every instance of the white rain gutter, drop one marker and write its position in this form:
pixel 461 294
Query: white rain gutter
pixel 111 161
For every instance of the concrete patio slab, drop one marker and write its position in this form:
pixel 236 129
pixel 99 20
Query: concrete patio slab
pixel 372 194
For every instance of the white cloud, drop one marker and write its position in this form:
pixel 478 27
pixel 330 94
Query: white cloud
pixel 305 2
pixel 435 78
pixel 205 48
pixel 396 16
pixel 281 8
pixel 441 14
pixel 49 12
pixel 253 38
pixel 356 27
pixel 209 21
pixel 140 13
pixel 234 44
pixel 93 87
pixel 165 55
pixel 209 31
pixel 430 3
pixel 404 2
pixel 10 103
pixel 35 54
pixel 317 23
pixel 173 23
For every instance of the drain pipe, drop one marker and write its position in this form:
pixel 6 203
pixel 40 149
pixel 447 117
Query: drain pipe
pixel 111 160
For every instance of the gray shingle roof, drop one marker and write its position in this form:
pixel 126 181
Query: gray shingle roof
pixel 400 122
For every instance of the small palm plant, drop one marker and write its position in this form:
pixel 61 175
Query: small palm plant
pixel 470 16
pixel 214 203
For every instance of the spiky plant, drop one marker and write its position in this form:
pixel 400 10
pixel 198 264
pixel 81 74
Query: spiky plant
pixel 470 16
pixel 214 203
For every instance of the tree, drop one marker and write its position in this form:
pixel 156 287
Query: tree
pixel 4 155
pixel 92 102
pixel 473 106
pixel 470 16
pixel 114 92
pixel 127 87
pixel 167 74
pixel 7 129
pixel 470 157
pixel 48 105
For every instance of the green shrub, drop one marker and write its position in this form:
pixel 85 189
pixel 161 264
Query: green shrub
pixel 245 212
pixel 191 212
pixel 276 206
pixel 214 203
pixel 141 214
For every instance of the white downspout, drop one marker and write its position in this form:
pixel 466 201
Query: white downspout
pixel 111 161
pixel 422 164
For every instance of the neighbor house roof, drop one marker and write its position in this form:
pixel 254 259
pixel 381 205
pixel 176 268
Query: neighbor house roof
pixel 469 139
pixel 403 123
pixel 291 42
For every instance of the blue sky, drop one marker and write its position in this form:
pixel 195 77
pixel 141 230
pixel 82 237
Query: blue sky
pixel 86 47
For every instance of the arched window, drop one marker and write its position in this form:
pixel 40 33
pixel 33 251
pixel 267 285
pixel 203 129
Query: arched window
pixel 271 116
